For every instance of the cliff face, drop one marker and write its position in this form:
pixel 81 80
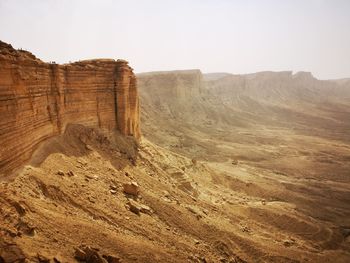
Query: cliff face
pixel 277 88
pixel 183 85
pixel 171 94
pixel 38 100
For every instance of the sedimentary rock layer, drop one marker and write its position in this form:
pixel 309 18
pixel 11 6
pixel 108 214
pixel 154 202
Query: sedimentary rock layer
pixel 38 100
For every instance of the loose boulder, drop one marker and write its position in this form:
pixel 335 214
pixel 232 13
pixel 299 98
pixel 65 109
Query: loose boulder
pixel 89 255
pixel 131 188
pixel 10 252
pixel 134 207
pixel 138 208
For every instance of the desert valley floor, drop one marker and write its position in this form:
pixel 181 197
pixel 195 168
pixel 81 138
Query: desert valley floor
pixel 229 168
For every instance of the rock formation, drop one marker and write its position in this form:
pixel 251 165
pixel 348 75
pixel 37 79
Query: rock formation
pixel 276 88
pixel 38 100
pixel 180 84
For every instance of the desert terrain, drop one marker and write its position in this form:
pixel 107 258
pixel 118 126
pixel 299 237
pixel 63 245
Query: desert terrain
pixel 225 168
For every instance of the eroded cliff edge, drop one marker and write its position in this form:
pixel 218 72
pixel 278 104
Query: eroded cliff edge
pixel 38 100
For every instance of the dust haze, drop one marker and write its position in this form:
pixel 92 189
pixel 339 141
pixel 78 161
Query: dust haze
pixel 187 131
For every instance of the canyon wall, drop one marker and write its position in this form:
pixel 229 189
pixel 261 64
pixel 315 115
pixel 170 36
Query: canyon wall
pixel 183 85
pixel 177 103
pixel 277 88
pixel 170 93
pixel 38 100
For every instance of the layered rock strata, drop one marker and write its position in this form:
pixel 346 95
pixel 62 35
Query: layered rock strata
pixel 38 100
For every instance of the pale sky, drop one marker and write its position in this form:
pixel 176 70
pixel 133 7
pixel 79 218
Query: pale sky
pixel 235 36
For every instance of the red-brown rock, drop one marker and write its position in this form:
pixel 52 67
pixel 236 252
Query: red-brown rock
pixel 38 100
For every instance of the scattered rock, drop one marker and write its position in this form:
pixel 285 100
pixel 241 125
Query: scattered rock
pixel 82 162
pixel 146 209
pixel 88 176
pixel 263 202
pixel 60 172
pixel 112 259
pixel 197 258
pixel 70 173
pixel 25 228
pixel 138 208
pixel 19 208
pixel 245 229
pixel 230 202
pixel 113 192
pixel 134 207
pixel 345 231
pixel 166 194
pixel 91 199
pixel 32 232
pixel 88 147
pixel 89 255
pixel 80 254
pixel 234 162
pixel 131 188
pixel 195 211
pixel 288 242
pixel 113 187
pixel 166 199
pixel 10 252
pixel 43 259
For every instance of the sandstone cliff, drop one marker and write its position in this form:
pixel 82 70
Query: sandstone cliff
pixel 38 100
pixel 180 108
pixel 177 95
pixel 180 84
pixel 277 88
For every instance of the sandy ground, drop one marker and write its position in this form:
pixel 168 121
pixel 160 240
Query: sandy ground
pixel 200 211
pixel 241 182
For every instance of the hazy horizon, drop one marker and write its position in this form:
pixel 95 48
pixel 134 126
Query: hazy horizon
pixel 236 37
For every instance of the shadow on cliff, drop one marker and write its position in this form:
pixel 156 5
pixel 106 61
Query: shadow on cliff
pixel 79 141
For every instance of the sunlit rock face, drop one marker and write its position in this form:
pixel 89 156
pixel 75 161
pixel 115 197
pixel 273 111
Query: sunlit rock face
pixel 38 100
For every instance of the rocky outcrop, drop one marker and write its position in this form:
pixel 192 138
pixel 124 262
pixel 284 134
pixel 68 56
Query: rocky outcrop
pixel 180 95
pixel 276 88
pixel 38 100
pixel 180 84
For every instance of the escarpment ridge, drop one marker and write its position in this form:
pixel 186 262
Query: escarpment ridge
pixel 38 100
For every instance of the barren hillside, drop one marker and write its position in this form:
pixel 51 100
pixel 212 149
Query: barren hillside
pixel 290 130
pixel 232 168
